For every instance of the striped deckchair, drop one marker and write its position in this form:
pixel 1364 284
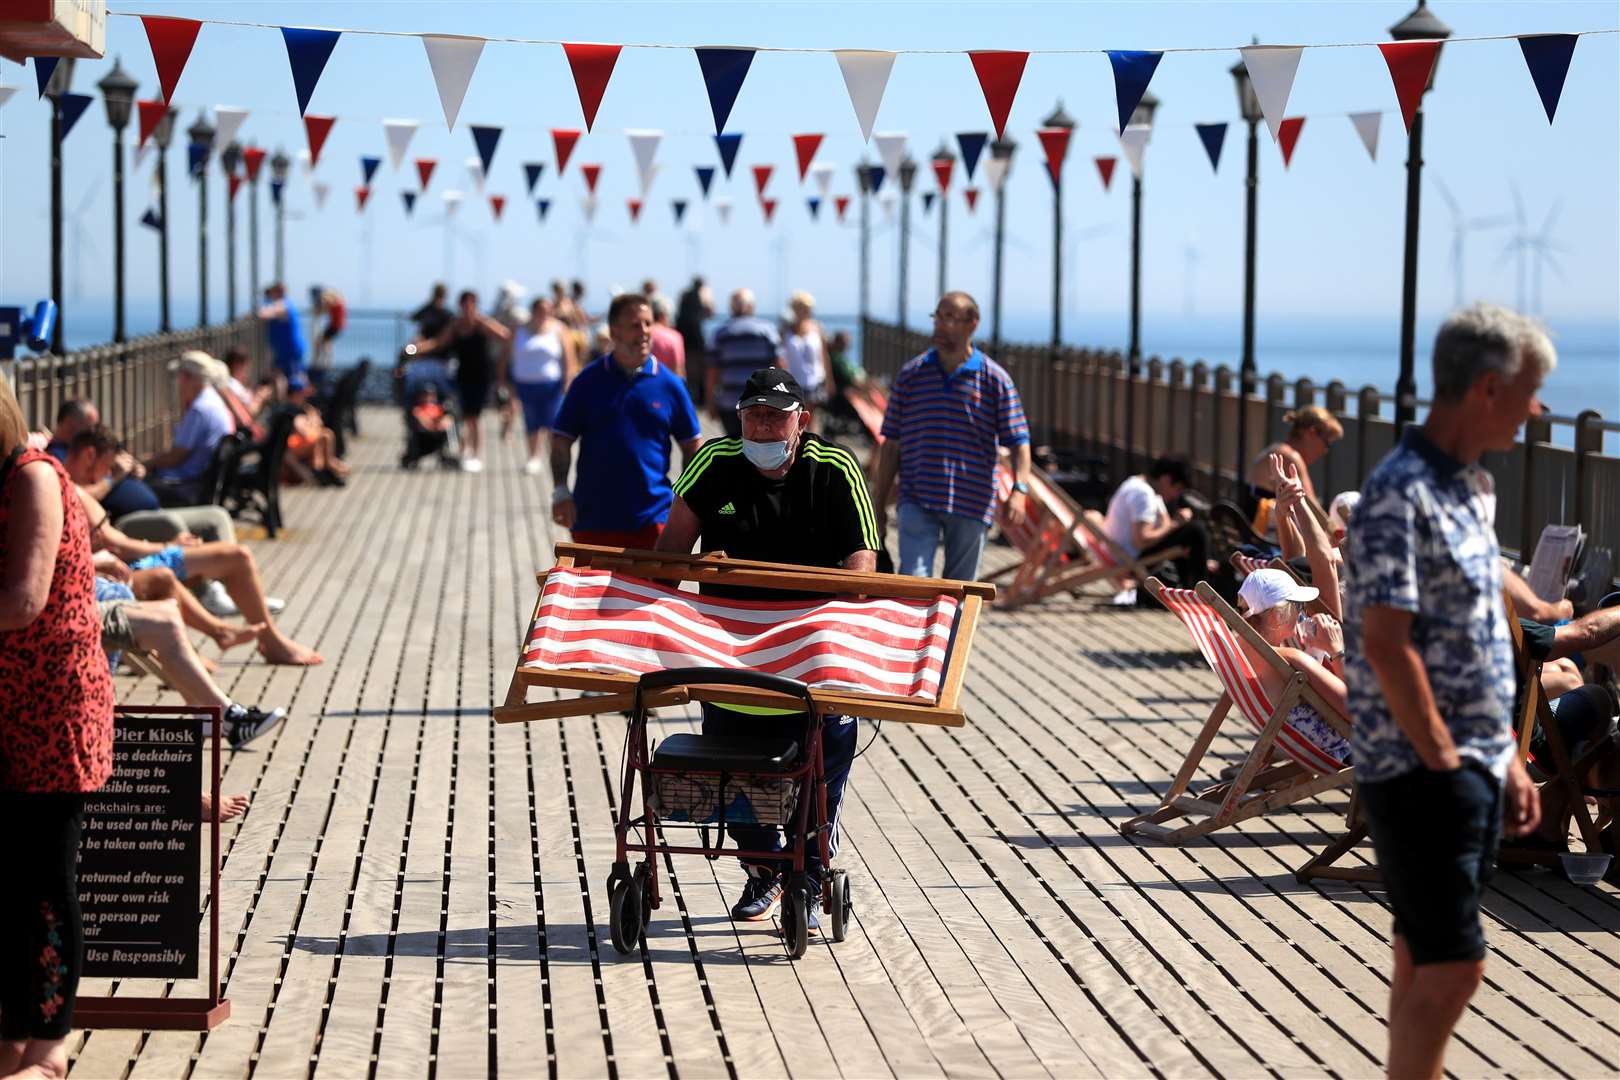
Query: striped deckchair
pixel 1260 785
pixel 1248 564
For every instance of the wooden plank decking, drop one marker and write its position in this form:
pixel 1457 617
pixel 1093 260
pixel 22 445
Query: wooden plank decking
pixel 419 891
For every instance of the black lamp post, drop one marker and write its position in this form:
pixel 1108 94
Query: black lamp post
pixel 908 178
pixel 1060 120
pixel 1001 152
pixel 943 160
pixel 1421 24
pixel 1249 108
pixel 201 135
pixel 1142 117
pixel 863 181
pixel 253 167
pixel 118 94
pixel 161 135
pixel 230 159
pixel 61 82
pixel 279 164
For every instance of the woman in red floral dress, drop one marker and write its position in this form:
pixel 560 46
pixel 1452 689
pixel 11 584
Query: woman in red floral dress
pixel 56 706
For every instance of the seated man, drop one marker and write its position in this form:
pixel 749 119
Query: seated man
pixel 785 495
pixel 1271 602
pixel 121 488
pixel 178 471
pixel 1140 522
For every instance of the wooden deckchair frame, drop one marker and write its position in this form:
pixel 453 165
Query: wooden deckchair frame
pixel 616 692
pixel 1241 564
pixel 1061 559
pixel 1259 786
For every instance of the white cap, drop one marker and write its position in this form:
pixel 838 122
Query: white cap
pixel 1265 589
pixel 1344 504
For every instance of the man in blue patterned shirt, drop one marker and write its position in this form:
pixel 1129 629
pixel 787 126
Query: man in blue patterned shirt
pixel 1430 673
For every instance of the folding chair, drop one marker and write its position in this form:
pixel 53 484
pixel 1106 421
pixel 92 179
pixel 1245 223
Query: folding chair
pixel 1260 785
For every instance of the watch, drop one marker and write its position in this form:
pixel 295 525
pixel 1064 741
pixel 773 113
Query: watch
pixel 1021 487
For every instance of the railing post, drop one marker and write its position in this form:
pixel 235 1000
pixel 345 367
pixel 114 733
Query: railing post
pixel 1588 443
pixel 1276 401
pixel 1366 413
pixel 1336 404
pixel 1153 442
pixel 1223 387
pixel 1197 399
pixel 1176 393
pixel 1536 430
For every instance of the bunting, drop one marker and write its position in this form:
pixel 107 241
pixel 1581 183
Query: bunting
pixel 196 158
pixel 928 201
pixel 1366 125
pixel 424 170
pixel 276 188
pixel 321 190
pixel 72 106
pixel 532 171
pixel 971 143
pixel 150 113
pixel 44 68
pixel 635 209
pixel 475 173
pixel 644 147
pixel 841 204
pixel 1055 141
pixel 497 203
pixel 1133 140
pixel 769 207
pixel 591 173
pixel 453 58
pixel 452 201
pixel 587 207
pixel 705 177
pixel 762 176
pixel 943 169
pixel 150 219
pixel 866 75
pixel 562 142
pixel 1288 135
pixel 891 148
pixel 307 53
pixel 1547 56
pixel 1213 136
pixel 971 194
pixel 399 134
pixel 999 75
pixel 485 138
pixel 171 40
pixel 368 167
pixel 543 207
pixel 679 206
pixel 815 208
pixel 252 158
pixel 316 129
pixel 995 172
pixel 361 194
pixel 722 209
pixel 823 172
pixel 724 70
pixel 1271 71
pixel 874 177
pixel 227 122
pixel 647 180
pixel 805 147
pixel 409 198
pixel 1133 70
pixel 1410 64
pixel 592 66
pixel 1105 169
pixel 728 145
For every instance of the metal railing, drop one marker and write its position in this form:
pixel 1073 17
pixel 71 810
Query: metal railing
pixel 1077 399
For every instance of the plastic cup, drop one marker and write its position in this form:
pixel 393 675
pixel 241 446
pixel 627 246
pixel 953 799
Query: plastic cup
pixel 1585 869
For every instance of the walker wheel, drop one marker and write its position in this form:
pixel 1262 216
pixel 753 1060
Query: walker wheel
pixel 625 907
pixel 643 880
pixel 795 921
pixel 841 905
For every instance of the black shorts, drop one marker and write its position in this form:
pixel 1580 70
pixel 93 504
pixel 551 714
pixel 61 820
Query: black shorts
pixel 1436 834
pixel 474 395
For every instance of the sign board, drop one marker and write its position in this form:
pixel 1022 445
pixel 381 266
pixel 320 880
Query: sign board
pixel 76 28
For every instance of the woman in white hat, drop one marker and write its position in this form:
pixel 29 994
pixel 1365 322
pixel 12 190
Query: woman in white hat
pixel 1273 604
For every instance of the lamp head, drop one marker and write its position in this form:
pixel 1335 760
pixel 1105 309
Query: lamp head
pixel 230 158
pixel 1002 149
pixel 1143 113
pixel 164 132
pixel 1248 100
pixel 943 154
pixel 201 132
pixel 118 94
pixel 61 80
pixel 863 178
pixel 1060 118
pixel 279 164
pixel 908 174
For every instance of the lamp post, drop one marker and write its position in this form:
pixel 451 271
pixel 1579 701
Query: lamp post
pixel 863 181
pixel 118 94
pixel 1420 24
pixel 1249 108
pixel 279 164
pixel 1001 152
pixel 908 178
pixel 943 161
pixel 1060 120
pixel 61 82
pixel 253 159
pixel 230 159
pixel 161 135
pixel 201 135
pixel 1142 116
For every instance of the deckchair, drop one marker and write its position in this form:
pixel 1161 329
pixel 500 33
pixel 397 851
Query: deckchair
pixel 1064 546
pixel 879 646
pixel 1261 784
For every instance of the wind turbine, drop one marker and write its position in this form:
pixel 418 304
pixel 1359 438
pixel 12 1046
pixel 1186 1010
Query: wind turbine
pixel 1541 248
pixel 1460 228
pixel 81 240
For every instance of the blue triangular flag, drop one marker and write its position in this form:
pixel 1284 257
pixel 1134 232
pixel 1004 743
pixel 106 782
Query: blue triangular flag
pixel 1547 56
pixel 705 175
pixel 1214 136
pixel 307 52
pixel 485 139
pixel 1133 70
pixel 73 106
pixel 532 170
pixel 275 192
pixel 150 219
pixel 815 208
pixel 410 201
pixel 544 206
pixel 679 206
pixel 972 145
pixel 728 144
pixel 44 68
pixel 874 177
pixel 368 167
pixel 928 201
pixel 196 158
pixel 723 74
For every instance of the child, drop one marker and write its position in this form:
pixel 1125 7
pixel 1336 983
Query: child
pixel 428 426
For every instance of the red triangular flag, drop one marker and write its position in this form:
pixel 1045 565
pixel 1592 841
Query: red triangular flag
pixel 769 206
pixel 635 210
pixel 252 158
pixel 361 194
pixel 591 173
pixel 999 75
pixel 593 66
pixel 171 40
pixel 805 146
pixel 563 139
pixel 1287 135
pixel 972 196
pixel 424 170
pixel 943 168
pixel 1055 141
pixel 316 128
pixel 1410 65
pixel 842 203
pixel 762 176
pixel 497 203
pixel 152 114
pixel 234 185
pixel 1105 167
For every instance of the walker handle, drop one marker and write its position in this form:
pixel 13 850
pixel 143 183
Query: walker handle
pixel 716 676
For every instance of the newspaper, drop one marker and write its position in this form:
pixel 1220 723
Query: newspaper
pixel 1554 559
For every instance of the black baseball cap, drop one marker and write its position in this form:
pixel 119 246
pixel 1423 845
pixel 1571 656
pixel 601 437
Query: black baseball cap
pixel 774 387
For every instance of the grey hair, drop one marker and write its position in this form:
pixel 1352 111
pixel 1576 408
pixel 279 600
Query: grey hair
pixel 1483 338
pixel 660 308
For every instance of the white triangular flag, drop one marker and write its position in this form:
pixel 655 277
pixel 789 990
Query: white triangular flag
pixel 1271 70
pixel 1131 141
pixel 891 147
pixel 866 75
pixel 304 160
pixel 644 145
pixel 5 94
pixel 1367 127
pixel 321 189
pixel 452 200
pixel 722 209
pixel 648 177
pixel 823 172
pixel 995 171
pixel 140 151
pixel 475 170
pixel 227 122
pixel 887 200
pixel 452 58
pixel 400 133
pixel 587 206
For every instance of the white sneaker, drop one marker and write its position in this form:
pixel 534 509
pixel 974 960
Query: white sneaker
pixel 275 605
pixel 532 467
pixel 1125 598
pixel 471 464
pixel 216 601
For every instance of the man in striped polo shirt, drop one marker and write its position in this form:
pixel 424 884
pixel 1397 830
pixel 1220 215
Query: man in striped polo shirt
pixel 744 344
pixel 949 409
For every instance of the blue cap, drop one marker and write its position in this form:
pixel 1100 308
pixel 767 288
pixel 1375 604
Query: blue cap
pixel 297 381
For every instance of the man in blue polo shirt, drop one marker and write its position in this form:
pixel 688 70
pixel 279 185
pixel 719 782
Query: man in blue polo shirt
pixel 949 410
pixel 623 409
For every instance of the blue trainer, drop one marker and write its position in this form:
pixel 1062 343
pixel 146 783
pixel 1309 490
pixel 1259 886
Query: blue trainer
pixel 761 895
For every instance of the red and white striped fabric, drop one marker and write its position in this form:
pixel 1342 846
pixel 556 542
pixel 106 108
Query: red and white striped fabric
pixel 1248 564
pixel 1231 665
pixel 597 620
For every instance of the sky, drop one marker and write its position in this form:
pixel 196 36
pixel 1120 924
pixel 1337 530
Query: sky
pixel 1330 226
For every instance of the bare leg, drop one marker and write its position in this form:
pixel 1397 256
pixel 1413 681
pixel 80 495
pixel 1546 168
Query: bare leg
pixel 234 566
pixel 230 806
pixel 1429 1008
pixel 534 442
pixel 475 437
pixel 159 583
pixel 157 628
pixel 45 1059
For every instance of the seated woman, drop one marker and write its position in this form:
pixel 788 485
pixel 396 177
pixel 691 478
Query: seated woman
pixel 312 446
pixel 1311 434
pixel 1312 645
